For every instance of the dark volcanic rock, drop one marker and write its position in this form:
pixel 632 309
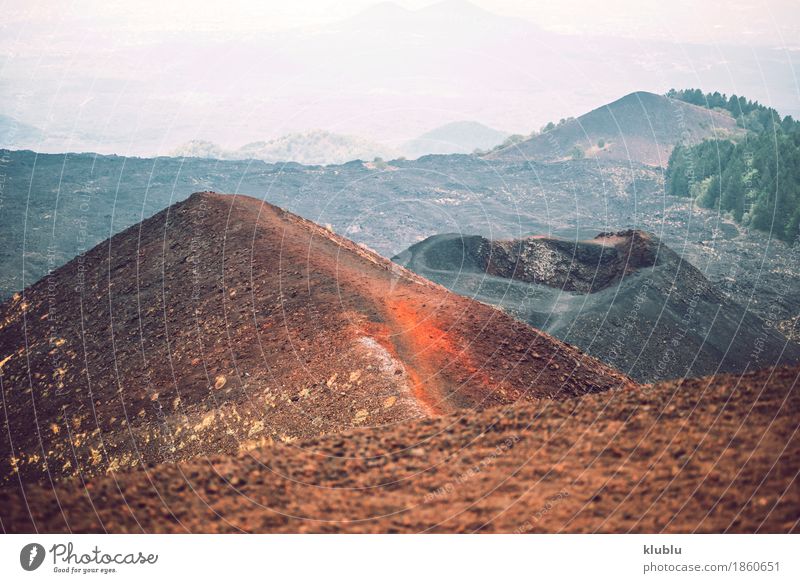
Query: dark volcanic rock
pixel 55 207
pixel 623 297
pixel 582 266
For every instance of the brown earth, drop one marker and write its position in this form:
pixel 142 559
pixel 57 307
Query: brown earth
pixel 224 323
pixel 718 454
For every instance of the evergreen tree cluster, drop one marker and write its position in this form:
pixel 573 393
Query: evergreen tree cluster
pixel 750 115
pixel 756 179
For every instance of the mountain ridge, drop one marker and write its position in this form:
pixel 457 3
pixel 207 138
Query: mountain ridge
pixel 458 137
pixel 641 127
pixel 229 321
pixel 312 148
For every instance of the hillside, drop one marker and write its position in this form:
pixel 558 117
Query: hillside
pixel 640 127
pixel 460 137
pixel 712 455
pixel 740 178
pixel 322 147
pixel 223 322
pixel 625 298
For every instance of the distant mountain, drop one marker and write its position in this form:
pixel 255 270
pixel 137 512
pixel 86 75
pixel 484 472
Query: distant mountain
pixel 458 137
pixel 317 147
pixel 640 127
pixel 314 147
pixel 449 18
pixel 625 298
pixel 202 149
pixel 16 134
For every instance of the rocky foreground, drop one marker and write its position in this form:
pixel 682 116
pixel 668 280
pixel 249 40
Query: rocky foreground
pixel 708 455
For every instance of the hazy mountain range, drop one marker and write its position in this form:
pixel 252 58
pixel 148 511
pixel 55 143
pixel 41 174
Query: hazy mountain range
pixel 321 147
pixel 14 133
pixel 313 148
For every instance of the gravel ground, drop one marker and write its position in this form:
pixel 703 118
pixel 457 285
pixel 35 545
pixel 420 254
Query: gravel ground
pixel 708 455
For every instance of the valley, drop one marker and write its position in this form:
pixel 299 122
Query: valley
pixel 389 209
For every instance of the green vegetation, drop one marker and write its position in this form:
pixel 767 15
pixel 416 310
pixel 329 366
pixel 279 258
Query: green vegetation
pixel 511 140
pixel 750 115
pixel 757 180
pixel 518 138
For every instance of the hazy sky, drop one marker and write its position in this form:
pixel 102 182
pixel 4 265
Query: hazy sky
pixel 144 77
pixel 766 22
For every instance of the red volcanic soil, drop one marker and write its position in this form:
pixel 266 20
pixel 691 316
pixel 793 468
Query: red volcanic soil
pixel 719 454
pixel 224 323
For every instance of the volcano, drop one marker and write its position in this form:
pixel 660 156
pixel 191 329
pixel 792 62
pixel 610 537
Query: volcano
pixel 223 323
pixel 624 297
pixel 640 127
